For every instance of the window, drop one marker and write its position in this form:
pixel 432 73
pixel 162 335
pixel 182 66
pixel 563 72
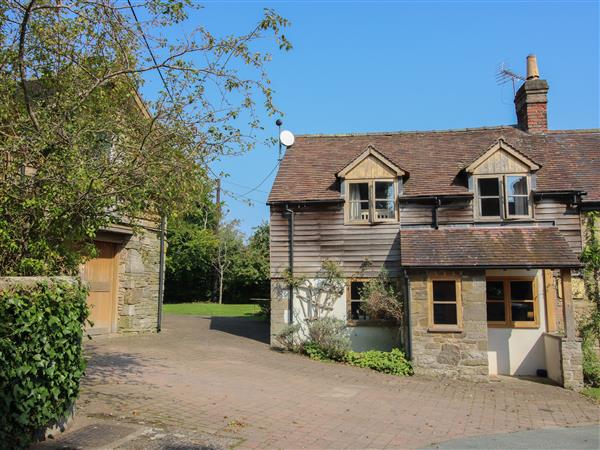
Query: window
pixel 445 310
pixel 517 196
pixel 371 201
pixel 355 311
pixel 496 201
pixel 511 302
pixel 489 197
pixel 359 201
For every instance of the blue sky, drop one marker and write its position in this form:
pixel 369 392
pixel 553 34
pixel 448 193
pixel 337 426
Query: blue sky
pixel 391 66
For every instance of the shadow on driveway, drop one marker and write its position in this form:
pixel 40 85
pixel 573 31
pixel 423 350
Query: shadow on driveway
pixel 257 330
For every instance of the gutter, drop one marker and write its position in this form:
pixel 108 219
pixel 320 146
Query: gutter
pixel 291 214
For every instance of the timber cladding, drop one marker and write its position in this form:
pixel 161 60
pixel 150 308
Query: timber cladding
pixel 320 234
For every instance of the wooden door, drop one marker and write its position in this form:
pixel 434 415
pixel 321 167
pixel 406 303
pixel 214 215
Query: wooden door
pixel 100 274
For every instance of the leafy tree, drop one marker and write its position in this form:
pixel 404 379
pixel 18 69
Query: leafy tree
pixel 77 148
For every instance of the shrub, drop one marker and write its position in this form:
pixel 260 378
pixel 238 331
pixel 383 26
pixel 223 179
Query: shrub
pixel 287 338
pixel 330 336
pixel 41 358
pixel 394 362
pixel 381 299
pixel 313 351
pixel 591 362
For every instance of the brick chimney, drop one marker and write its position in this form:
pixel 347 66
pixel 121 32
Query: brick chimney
pixel 531 101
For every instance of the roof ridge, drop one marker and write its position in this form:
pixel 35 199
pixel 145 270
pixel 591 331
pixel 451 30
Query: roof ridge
pixel 574 131
pixel 386 133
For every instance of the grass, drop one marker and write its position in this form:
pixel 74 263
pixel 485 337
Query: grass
pixel 212 309
pixel 592 392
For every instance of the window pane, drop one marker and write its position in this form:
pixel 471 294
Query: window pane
pixel 384 190
pixel 356 311
pixel 521 290
pixel 489 187
pixel 516 185
pixel 359 210
pixel 384 210
pixel 490 207
pixel 522 312
pixel 355 288
pixel 495 312
pixel 518 206
pixel 359 191
pixel 444 314
pixel 444 291
pixel 494 290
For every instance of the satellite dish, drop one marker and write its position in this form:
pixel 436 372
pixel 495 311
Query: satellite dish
pixel 286 138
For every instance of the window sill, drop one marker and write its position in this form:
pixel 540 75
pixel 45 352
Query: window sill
pixel 379 222
pixel 447 329
pixel 513 326
pixel 370 323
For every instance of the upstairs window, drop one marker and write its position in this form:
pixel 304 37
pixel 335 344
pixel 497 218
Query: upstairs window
pixel 372 201
pixel 503 197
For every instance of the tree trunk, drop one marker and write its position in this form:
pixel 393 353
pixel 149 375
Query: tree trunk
pixel 220 287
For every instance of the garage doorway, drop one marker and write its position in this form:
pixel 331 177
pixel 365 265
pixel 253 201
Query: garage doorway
pixel 101 275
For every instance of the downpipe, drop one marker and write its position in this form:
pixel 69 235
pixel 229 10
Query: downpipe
pixel 291 215
pixel 161 273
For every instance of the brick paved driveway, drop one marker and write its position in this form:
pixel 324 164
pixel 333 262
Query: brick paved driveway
pixel 218 377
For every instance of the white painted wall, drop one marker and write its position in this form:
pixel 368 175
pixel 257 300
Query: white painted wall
pixel 514 351
pixel 362 338
pixel 552 348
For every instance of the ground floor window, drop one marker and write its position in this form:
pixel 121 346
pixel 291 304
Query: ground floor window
pixel 512 302
pixel 355 310
pixel 445 303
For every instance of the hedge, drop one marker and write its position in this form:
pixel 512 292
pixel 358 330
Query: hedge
pixel 41 356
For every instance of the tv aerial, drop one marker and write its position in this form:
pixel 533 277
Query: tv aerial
pixel 504 74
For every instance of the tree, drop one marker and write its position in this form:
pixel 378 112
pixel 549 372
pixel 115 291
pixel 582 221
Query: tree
pixel 230 243
pixel 78 148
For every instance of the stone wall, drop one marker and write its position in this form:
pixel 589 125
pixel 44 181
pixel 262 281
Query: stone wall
pixel 458 354
pixel 137 297
pixel 572 364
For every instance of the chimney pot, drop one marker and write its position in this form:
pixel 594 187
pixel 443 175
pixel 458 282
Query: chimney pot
pixel 531 101
pixel 532 68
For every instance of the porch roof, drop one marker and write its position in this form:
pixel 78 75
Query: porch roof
pixel 501 247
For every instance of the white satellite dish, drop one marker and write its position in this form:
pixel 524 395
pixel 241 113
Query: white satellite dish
pixel 286 138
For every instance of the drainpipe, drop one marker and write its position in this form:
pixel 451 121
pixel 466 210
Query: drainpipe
pixel 291 214
pixel 409 321
pixel 161 273
pixel 434 211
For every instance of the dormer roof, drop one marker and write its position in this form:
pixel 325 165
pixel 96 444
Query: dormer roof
pixel 371 153
pixel 501 153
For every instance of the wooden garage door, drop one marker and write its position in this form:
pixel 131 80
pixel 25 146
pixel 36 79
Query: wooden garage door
pixel 100 274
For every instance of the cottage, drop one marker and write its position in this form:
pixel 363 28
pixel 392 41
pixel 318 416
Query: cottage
pixel 481 227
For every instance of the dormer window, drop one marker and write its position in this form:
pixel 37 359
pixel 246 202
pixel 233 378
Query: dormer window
pixel 502 183
pixel 502 196
pixel 372 201
pixel 370 186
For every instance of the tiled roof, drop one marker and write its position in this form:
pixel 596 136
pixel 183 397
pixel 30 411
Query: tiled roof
pixel 506 247
pixel 434 159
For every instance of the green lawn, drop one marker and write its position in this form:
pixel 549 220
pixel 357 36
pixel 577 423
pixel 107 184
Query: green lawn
pixel 212 309
pixel 592 392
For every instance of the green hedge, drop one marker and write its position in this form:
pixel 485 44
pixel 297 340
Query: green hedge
pixel 41 357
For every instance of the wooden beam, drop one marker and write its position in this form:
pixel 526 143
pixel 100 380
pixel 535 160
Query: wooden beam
pixel 570 329
pixel 550 297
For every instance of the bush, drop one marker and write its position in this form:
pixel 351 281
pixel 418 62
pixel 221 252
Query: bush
pixel 591 362
pixel 330 336
pixel 394 362
pixel 41 358
pixel 287 338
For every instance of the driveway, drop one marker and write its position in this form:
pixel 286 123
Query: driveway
pixel 214 382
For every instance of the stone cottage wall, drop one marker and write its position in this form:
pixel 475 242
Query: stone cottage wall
pixel 457 354
pixel 137 304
